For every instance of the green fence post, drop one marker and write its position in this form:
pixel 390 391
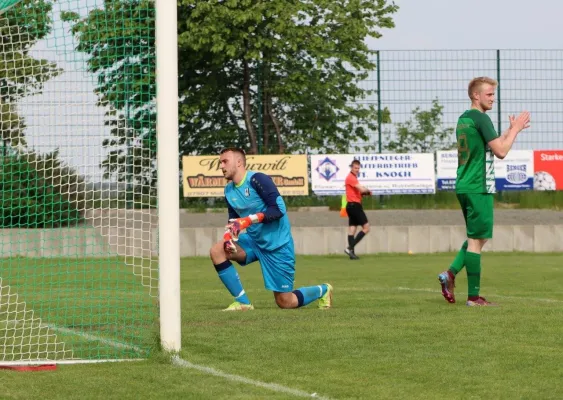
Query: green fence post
pixel 379 116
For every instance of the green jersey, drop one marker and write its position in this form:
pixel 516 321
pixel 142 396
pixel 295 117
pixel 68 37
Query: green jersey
pixel 476 169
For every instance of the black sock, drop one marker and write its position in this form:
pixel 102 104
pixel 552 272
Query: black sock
pixel 350 241
pixel 359 237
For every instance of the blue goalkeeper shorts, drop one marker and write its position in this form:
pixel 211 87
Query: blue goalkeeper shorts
pixel 278 266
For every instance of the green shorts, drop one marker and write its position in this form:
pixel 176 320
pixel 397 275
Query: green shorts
pixel 478 212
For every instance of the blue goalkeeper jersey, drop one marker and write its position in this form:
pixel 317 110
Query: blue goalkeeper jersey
pixel 257 193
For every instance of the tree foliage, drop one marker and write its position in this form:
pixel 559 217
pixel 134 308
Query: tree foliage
pixel 297 65
pixel 21 75
pixel 272 76
pixel 422 133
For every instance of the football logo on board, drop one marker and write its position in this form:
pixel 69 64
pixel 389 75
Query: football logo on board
pixel 544 181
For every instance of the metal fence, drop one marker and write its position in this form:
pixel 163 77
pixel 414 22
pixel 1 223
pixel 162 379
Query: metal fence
pixel 528 80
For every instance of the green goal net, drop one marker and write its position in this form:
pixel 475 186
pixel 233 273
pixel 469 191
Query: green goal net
pixel 78 216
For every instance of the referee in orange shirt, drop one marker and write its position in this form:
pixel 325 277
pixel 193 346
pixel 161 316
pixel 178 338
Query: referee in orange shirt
pixel 356 215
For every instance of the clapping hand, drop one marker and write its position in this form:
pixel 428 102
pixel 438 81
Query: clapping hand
pixel 520 122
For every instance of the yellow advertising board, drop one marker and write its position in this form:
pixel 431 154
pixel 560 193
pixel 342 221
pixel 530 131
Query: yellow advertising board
pixel 202 175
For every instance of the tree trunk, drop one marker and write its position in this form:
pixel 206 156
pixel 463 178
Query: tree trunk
pixel 247 109
pixel 231 114
pixel 265 118
pixel 276 123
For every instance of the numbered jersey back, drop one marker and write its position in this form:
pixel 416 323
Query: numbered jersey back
pixel 475 171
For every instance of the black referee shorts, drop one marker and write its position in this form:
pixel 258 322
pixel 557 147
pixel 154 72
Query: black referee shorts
pixel 356 214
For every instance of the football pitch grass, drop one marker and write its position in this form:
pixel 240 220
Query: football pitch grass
pixel 390 335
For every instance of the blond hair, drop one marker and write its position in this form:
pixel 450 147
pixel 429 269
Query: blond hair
pixel 476 83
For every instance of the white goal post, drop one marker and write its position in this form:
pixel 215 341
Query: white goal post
pixel 168 170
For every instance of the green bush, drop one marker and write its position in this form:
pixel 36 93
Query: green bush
pixel 28 200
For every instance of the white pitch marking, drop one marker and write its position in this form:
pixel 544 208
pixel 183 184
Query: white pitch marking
pixel 186 364
pixel 94 338
pixel 236 378
pixel 69 331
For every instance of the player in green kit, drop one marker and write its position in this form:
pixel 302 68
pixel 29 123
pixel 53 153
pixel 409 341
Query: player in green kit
pixel 477 144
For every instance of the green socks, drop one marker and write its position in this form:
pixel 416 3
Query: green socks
pixel 459 260
pixel 473 264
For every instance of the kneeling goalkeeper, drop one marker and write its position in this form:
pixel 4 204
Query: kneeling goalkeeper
pixel 255 204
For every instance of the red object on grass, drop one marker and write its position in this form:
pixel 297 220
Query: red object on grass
pixel 30 368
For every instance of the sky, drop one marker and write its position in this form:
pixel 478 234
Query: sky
pixel 475 24
pixel 65 116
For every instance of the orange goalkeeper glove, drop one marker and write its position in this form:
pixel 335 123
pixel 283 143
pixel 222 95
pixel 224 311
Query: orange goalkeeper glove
pixel 229 243
pixel 235 226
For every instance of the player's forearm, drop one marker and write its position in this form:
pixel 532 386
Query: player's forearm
pixel 362 189
pixel 272 213
pixel 250 220
pixel 507 140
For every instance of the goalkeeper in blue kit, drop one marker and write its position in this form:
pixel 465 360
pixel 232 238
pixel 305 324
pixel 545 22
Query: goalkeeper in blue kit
pixel 255 205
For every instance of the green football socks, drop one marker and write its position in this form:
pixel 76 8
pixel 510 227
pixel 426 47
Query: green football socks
pixel 473 264
pixel 459 260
